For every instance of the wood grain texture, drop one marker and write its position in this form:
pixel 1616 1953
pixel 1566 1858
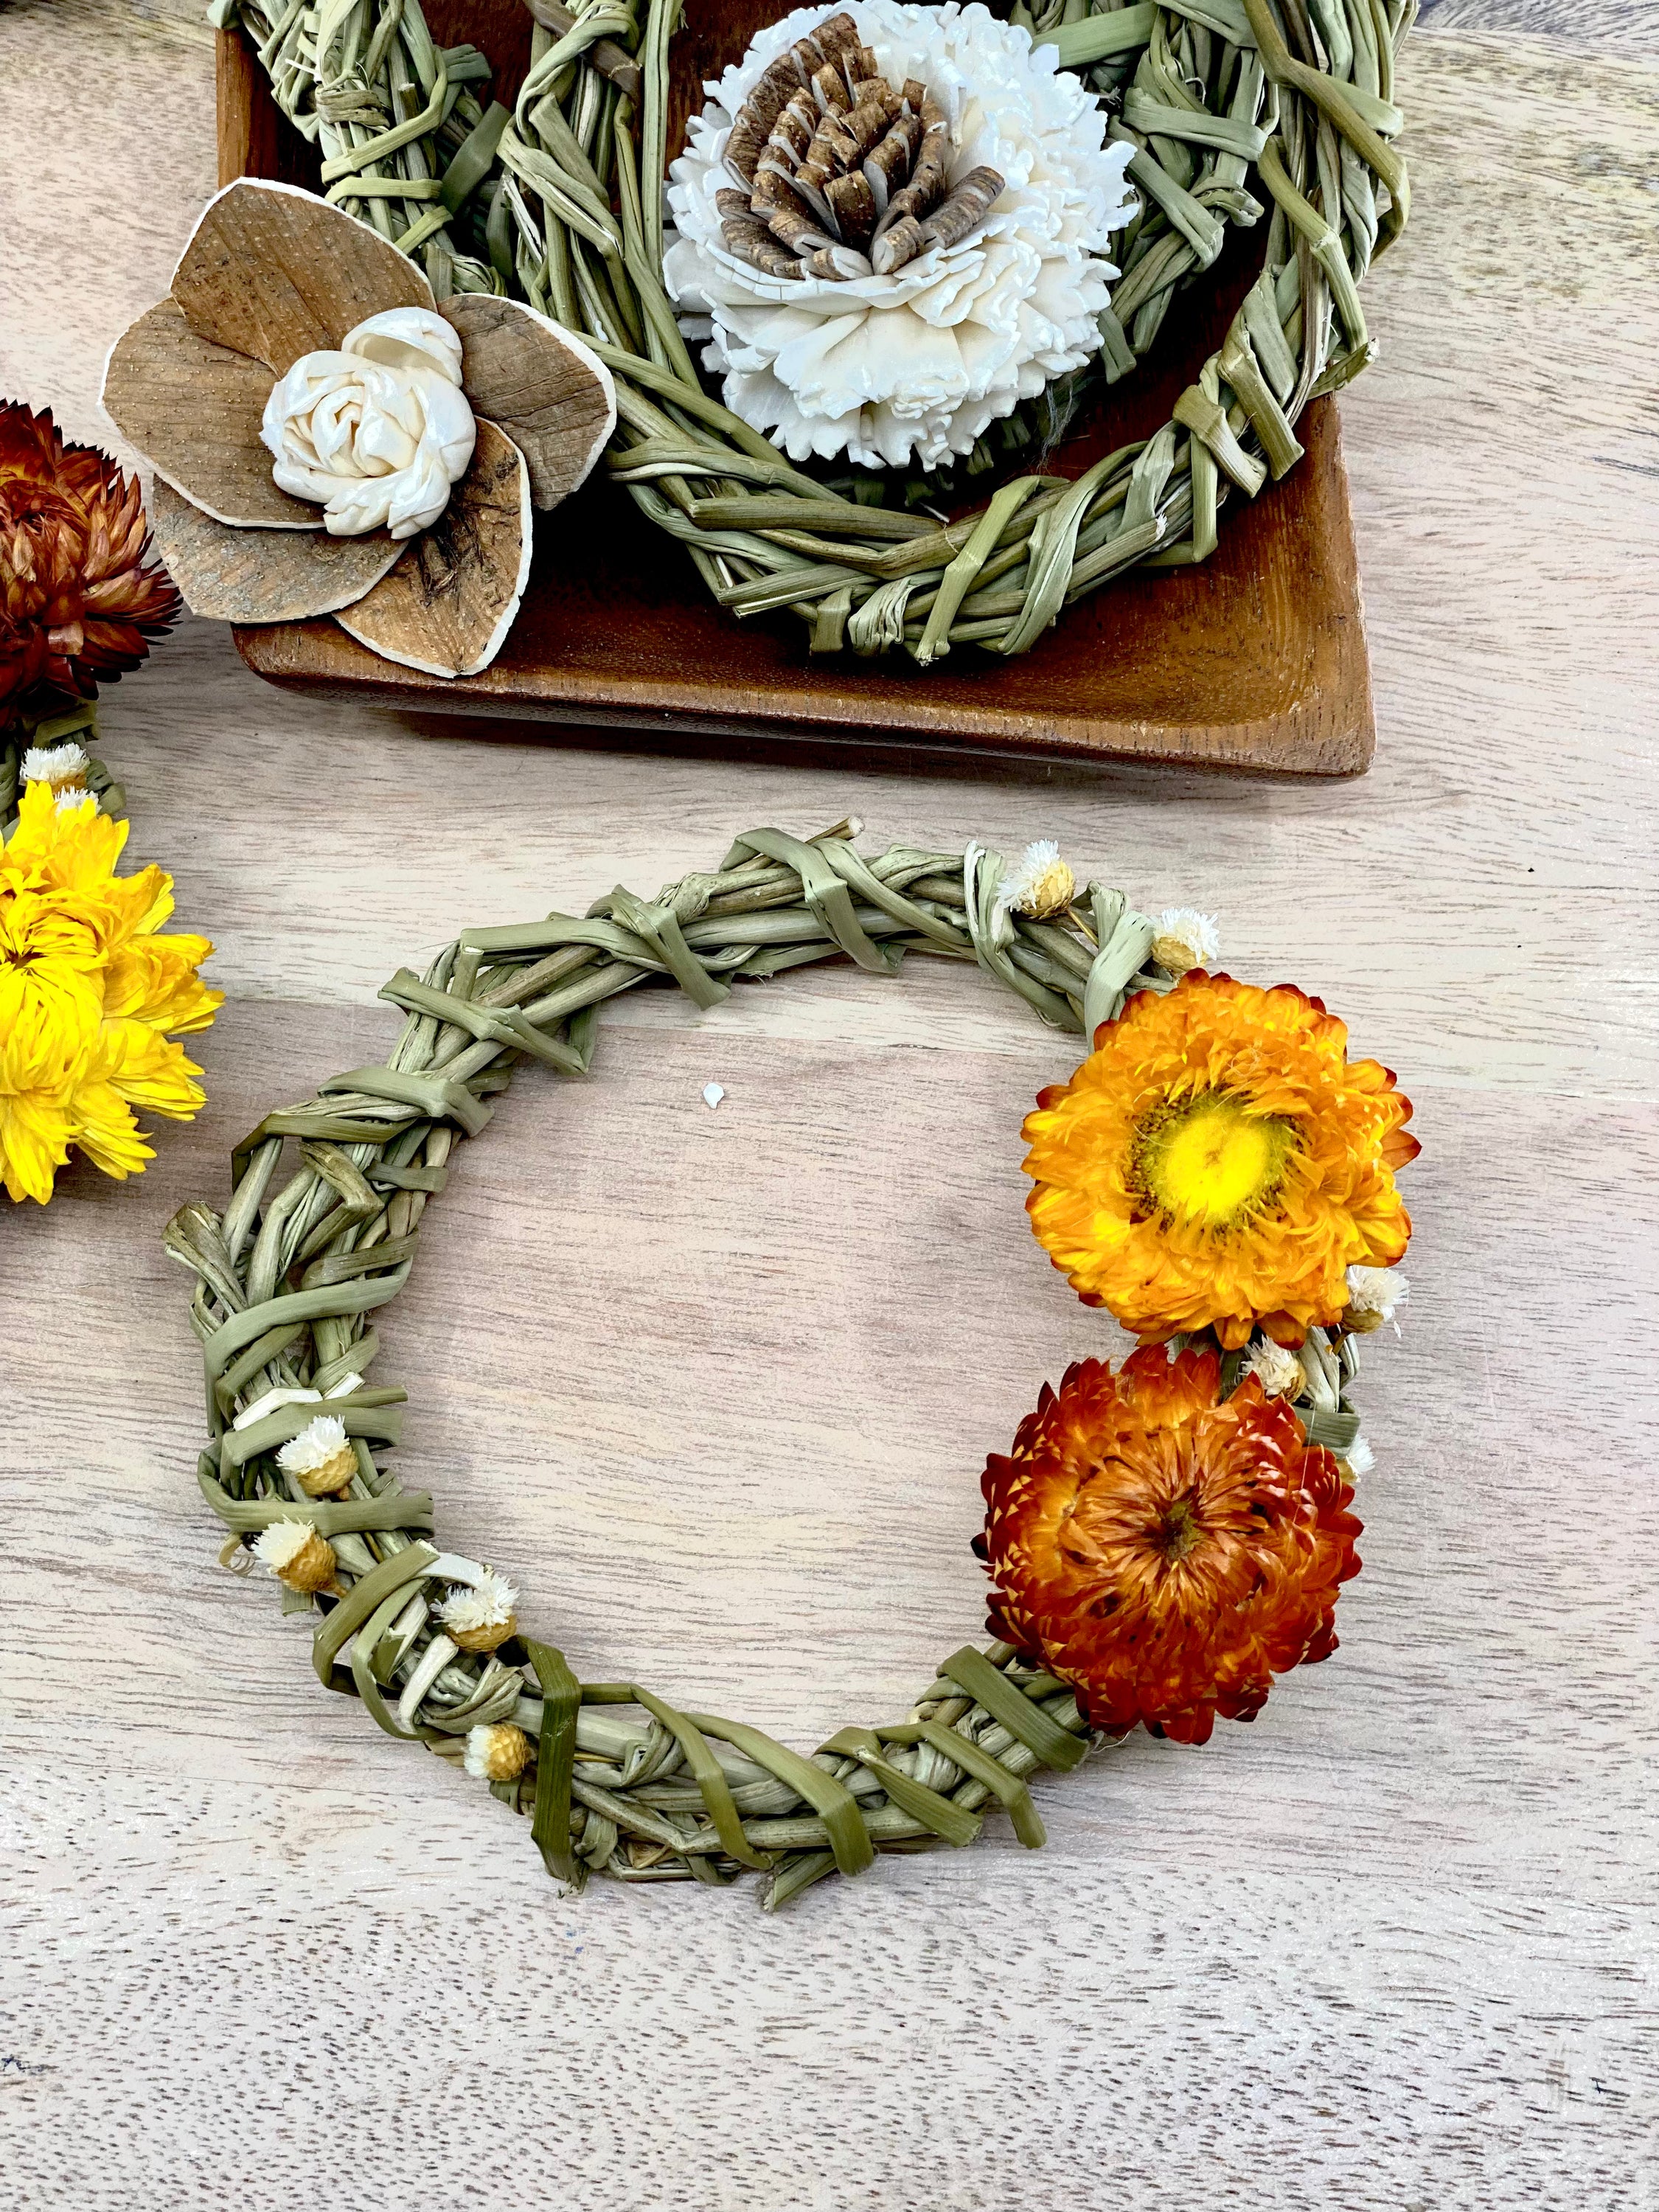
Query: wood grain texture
pixel 196 409
pixel 1256 658
pixel 447 604
pixel 716 1386
pixel 276 274
pixel 547 392
pixel 263 575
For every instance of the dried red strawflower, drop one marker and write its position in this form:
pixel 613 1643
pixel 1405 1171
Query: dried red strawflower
pixel 1164 1554
pixel 77 604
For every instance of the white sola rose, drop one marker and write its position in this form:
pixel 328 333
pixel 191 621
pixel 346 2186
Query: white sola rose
pixel 916 365
pixel 376 432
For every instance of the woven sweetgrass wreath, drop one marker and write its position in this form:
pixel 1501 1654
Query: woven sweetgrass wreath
pixel 614 1778
pixel 1236 110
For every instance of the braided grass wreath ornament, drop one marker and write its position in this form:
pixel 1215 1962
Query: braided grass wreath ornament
pixel 1011 264
pixel 1163 1539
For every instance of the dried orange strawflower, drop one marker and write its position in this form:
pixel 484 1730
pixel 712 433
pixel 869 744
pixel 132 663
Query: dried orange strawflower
pixel 1164 1554
pixel 1217 1162
pixel 77 604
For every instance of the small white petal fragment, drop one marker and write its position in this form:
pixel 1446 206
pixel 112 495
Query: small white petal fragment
pixel 375 432
pixel 296 1554
pixel 480 1616
pixel 1039 883
pixel 320 1458
pixel 1374 1295
pixel 1183 939
pixel 62 768
pixel 270 1402
pixel 496 1753
pixel 712 1095
pixel 69 800
pixel 1278 1371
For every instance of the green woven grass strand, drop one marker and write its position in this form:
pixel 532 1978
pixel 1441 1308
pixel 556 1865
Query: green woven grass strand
pixel 623 1783
pixel 1263 115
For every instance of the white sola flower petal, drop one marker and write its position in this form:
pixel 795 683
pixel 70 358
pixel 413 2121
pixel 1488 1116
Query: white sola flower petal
pixel 917 365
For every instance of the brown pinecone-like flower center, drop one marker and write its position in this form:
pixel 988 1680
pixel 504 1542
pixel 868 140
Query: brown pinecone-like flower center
pixel 842 173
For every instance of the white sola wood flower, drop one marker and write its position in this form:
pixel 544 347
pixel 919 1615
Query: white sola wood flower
pixel 917 364
pixel 376 431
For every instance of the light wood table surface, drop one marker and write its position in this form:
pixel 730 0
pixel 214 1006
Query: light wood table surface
pixel 716 1388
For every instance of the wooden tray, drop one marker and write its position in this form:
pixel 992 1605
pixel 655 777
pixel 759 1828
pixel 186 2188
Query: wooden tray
pixel 1256 659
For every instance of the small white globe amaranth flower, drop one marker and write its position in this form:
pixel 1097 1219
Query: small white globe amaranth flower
pixel 1360 1459
pixel 915 365
pixel 62 767
pixel 480 1616
pixel 1183 939
pixel 1279 1371
pixel 1374 1294
pixel 376 432
pixel 496 1751
pixel 321 1458
pixel 1039 883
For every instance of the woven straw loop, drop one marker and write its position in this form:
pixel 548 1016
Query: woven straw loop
pixel 289 1276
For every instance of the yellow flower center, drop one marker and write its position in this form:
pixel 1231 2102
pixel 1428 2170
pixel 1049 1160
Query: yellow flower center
pixel 1210 1161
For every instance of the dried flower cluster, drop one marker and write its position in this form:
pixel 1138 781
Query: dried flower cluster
pixel 90 990
pixel 841 173
pixel 78 605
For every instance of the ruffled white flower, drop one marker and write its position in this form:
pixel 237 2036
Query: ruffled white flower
pixel 376 433
pixel 1183 939
pixel 1279 1371
pixel 481 1615
pixel 916 365
pixel 1374 1293
pixel 62 768
pixel 1039 883
pixel 321 1457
